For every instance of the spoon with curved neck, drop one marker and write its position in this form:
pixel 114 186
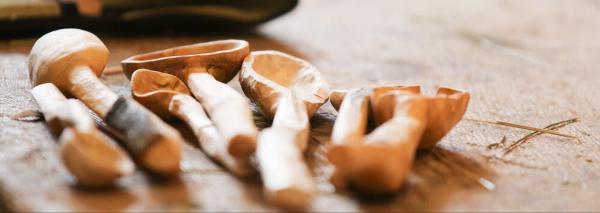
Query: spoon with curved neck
pixel 289 91
pixel 168 97
pixel 205 68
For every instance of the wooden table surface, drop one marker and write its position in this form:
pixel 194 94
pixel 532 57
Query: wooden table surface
pixel 528 62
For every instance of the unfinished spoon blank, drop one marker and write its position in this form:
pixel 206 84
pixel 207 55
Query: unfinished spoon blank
pixel 381 162
pixel 73 59
pixel 289 91
pixel 89 155
pixel 205 68
pixel 168 97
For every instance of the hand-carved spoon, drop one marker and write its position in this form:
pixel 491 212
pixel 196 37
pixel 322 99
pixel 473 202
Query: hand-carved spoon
pixel 88 154
pixel 204 68
pixel 72 59
pixel 380 162
pixel 288 90
pixel 167 96
pixel 406 120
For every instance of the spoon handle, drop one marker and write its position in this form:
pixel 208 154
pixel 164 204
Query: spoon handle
pixel 153 142
pixel 77 130
pixel 230 112
pixel 291 115
pixel 286 178
pixel 285 175
pixel 49 98
pixel 189 110
pixel 382 161
pixel 351 122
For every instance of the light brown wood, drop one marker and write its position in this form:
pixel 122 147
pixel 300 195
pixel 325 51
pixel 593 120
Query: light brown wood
pixel 90 156
pixel 381 163
pixel 289 91
pixel 380 115
pixel 286 179
pixel 291 115
pixel 230 112
pixel 444 111
pixel 267 76
pixel 448 107
pixel 211 141
pixel 168 97
pixel 203 67
pixel 270 78
pixel 350 127
pixel 384 169
pixel 72 59
pixel 351 121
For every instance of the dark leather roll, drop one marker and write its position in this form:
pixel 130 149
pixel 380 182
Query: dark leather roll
pixel 33 18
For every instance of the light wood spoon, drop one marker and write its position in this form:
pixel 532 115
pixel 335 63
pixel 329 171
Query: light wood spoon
pixel 381 161
pixel 289 91
pixel 73 59
pixel 405 119
pixel 205 68
pixel 89 155
pixel 167 96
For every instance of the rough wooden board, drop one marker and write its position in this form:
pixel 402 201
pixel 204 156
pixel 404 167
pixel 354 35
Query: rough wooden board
pixel 530 62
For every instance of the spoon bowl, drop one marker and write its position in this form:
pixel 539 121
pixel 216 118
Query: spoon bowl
pixel 267 76
pixel 221 59
pixel 155 90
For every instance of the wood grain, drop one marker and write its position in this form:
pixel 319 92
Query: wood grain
pixel 530 62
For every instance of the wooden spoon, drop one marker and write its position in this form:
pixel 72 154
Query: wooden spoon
pixel 167 96
pixel 380 162
pixel 89 155
pixel 405 120
pixel 205 67
pixel 73 59
pixel 289 91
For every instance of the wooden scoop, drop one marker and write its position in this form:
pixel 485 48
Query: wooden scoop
pixel 203 67
pixel 381 162
pixel 89 155
pixel 167 96
pixel 405 119
pixel 289 91
pixel 72 59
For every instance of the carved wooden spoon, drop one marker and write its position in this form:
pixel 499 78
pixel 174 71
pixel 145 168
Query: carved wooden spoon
pixel 89 155
pixel 380 162
pixel 205 67
pixel 167 96
pixel 406 120
pixel 72 59
pixel 289 91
